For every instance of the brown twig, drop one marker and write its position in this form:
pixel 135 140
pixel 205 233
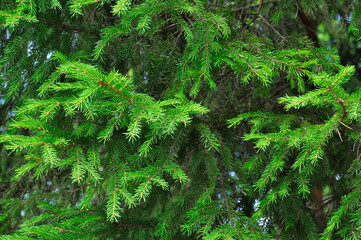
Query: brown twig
pixel 68 27
pixel 275 30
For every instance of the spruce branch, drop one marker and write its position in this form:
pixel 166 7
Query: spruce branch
pixel 279 34
pixel 107 85
pixel 68 27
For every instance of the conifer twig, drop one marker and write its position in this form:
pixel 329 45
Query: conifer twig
pixel 102 83
pixel 279 34
pixel 339 100
pixel 65 26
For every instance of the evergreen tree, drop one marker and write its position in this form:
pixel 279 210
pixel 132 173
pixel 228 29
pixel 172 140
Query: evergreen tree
pixel 180 119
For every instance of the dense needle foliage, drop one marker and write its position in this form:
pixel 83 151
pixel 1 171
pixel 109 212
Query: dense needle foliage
pixel 180 119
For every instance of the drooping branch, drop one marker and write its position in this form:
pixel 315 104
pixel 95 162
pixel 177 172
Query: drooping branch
pixel 68 27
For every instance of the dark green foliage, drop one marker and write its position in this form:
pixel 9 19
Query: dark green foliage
pixel 181 119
